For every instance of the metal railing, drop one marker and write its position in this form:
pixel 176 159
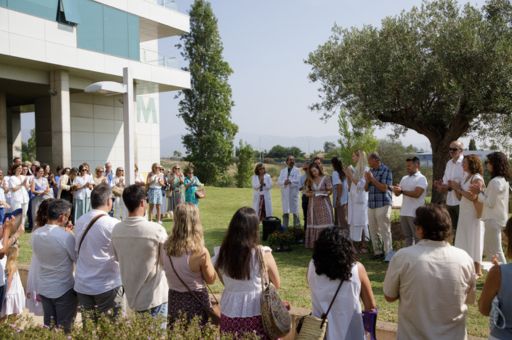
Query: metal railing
pixel 170 4
pixel 157 59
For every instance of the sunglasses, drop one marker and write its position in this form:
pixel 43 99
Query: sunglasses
pixel 453 149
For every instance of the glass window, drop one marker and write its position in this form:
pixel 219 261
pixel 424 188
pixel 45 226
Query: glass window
pixel 70 10
pixel 90 30
pixel 133 37
pixel 46 9
pixel 115 25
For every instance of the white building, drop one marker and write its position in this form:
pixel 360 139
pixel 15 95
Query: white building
pixel 51 50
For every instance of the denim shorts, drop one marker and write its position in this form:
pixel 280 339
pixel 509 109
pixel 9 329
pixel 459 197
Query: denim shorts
pixel 2 215
pixel 155 196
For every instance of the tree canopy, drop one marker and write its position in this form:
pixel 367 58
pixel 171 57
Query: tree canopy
pixel 279 151
pixel 440 69
pixel 206 107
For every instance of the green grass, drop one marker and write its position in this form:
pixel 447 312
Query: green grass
pixel 216 212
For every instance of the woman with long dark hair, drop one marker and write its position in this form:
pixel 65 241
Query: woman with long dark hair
pixel 239 269
pixel 495 200
pixel 318 189
pixel 470 229
pixel 340 194
pixel 334 264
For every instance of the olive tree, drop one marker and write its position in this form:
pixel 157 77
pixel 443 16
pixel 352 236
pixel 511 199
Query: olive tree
pixel 442 70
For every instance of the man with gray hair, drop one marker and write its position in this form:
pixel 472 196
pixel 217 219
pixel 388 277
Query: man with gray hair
pixel 97 276
pixel 379 181
pixel 453 172
pixel 54 247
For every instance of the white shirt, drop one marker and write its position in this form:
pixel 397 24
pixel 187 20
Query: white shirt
pixel 3 261
pixel 410 183
pixel 97 270
pixel 453 172
pixel 80 194
pixel 495 199
pixel 55 250
pixel 434 281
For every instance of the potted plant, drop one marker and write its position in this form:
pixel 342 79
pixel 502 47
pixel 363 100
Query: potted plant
pixel 281 240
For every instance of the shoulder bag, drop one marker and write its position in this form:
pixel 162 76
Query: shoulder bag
pixel 213 311
pixel 87 230
pixel 275 317
pixel 310 327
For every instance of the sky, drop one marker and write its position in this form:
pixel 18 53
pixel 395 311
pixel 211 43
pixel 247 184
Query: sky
pixel 266 43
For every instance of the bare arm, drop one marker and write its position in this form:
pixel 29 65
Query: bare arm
pixel 273 273
pixel 366 289
pixel 207 269
pixel 416 193
pixel 490 290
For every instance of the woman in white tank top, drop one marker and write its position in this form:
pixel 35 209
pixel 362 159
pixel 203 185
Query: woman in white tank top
pixel 333 260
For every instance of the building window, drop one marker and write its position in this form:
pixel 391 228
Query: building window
pixel 68 12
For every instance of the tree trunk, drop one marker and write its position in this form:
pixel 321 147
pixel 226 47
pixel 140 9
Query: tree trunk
pixel 440 156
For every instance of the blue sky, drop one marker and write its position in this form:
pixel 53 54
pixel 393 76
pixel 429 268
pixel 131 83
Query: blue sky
pixel 266 43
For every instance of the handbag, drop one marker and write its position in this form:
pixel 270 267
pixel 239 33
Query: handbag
pixel 213 311
pixel 117 191
pixel 200 193
pixel 311 327
pixel 275 317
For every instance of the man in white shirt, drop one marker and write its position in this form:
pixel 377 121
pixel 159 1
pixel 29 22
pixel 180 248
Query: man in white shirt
pixel 452 172
pixel 413 187
pixel 433 281
pixel 137 244
pixel 289 181
pixel 97 276
pixel 54 247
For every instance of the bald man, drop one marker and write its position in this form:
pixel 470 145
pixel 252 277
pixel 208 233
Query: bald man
pixel 452 172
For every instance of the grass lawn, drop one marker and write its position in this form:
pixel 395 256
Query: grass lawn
pixel 216 211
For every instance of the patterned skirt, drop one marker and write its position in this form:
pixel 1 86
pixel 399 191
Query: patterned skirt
pixel 240 326
pixel 155 196
pixel 320 216
pixel 185 304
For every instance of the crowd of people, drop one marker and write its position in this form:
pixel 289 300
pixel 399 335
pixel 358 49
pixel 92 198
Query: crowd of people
pixel 88 257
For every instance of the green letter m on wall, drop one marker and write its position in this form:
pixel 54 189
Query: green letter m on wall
pixel 146 113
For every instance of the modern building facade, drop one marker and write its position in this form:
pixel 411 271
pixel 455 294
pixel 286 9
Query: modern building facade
pixel 51 50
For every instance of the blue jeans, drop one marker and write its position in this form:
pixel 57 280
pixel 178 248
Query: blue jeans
pixel 160 310
pixel 2 293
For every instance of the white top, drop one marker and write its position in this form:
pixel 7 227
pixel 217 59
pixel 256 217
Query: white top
pixel 97 270
pixel 80 194
pixel 344 319
pixel 17 197
pixel 154 181
pixel 242 298
pixel 495 199
pixel 410 183
pixel 55 250
pixel 453 172
pixel 2 195
pixel 90 180
pixel 434 281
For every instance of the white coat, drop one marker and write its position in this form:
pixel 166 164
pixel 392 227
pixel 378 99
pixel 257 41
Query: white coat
pixel 290 192
pixel 267 180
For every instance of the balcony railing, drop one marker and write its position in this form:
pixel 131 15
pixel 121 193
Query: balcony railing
pixel 157 59
pixel 170 4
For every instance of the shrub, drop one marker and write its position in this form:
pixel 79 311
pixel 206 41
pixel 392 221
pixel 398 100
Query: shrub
pixel 281 240
pixel 244 165
pixel 138 326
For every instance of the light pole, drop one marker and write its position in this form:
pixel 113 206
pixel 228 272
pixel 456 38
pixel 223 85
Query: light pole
pixel 128 92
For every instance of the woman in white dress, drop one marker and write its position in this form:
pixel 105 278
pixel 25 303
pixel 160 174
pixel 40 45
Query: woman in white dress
pixel 18 186
pixel 79 188
pixel 358 199
pixel 40 188
pixel 89 181
pixel 470 228
pixel 261 197
pixel 334 265
pixel 119 184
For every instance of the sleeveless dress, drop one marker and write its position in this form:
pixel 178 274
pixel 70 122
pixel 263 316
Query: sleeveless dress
pixel 358 209
pixel 345 319
pixel 14 299
pixel 470 228
pixel 241 302
pixel 180 298
pixel 320 213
